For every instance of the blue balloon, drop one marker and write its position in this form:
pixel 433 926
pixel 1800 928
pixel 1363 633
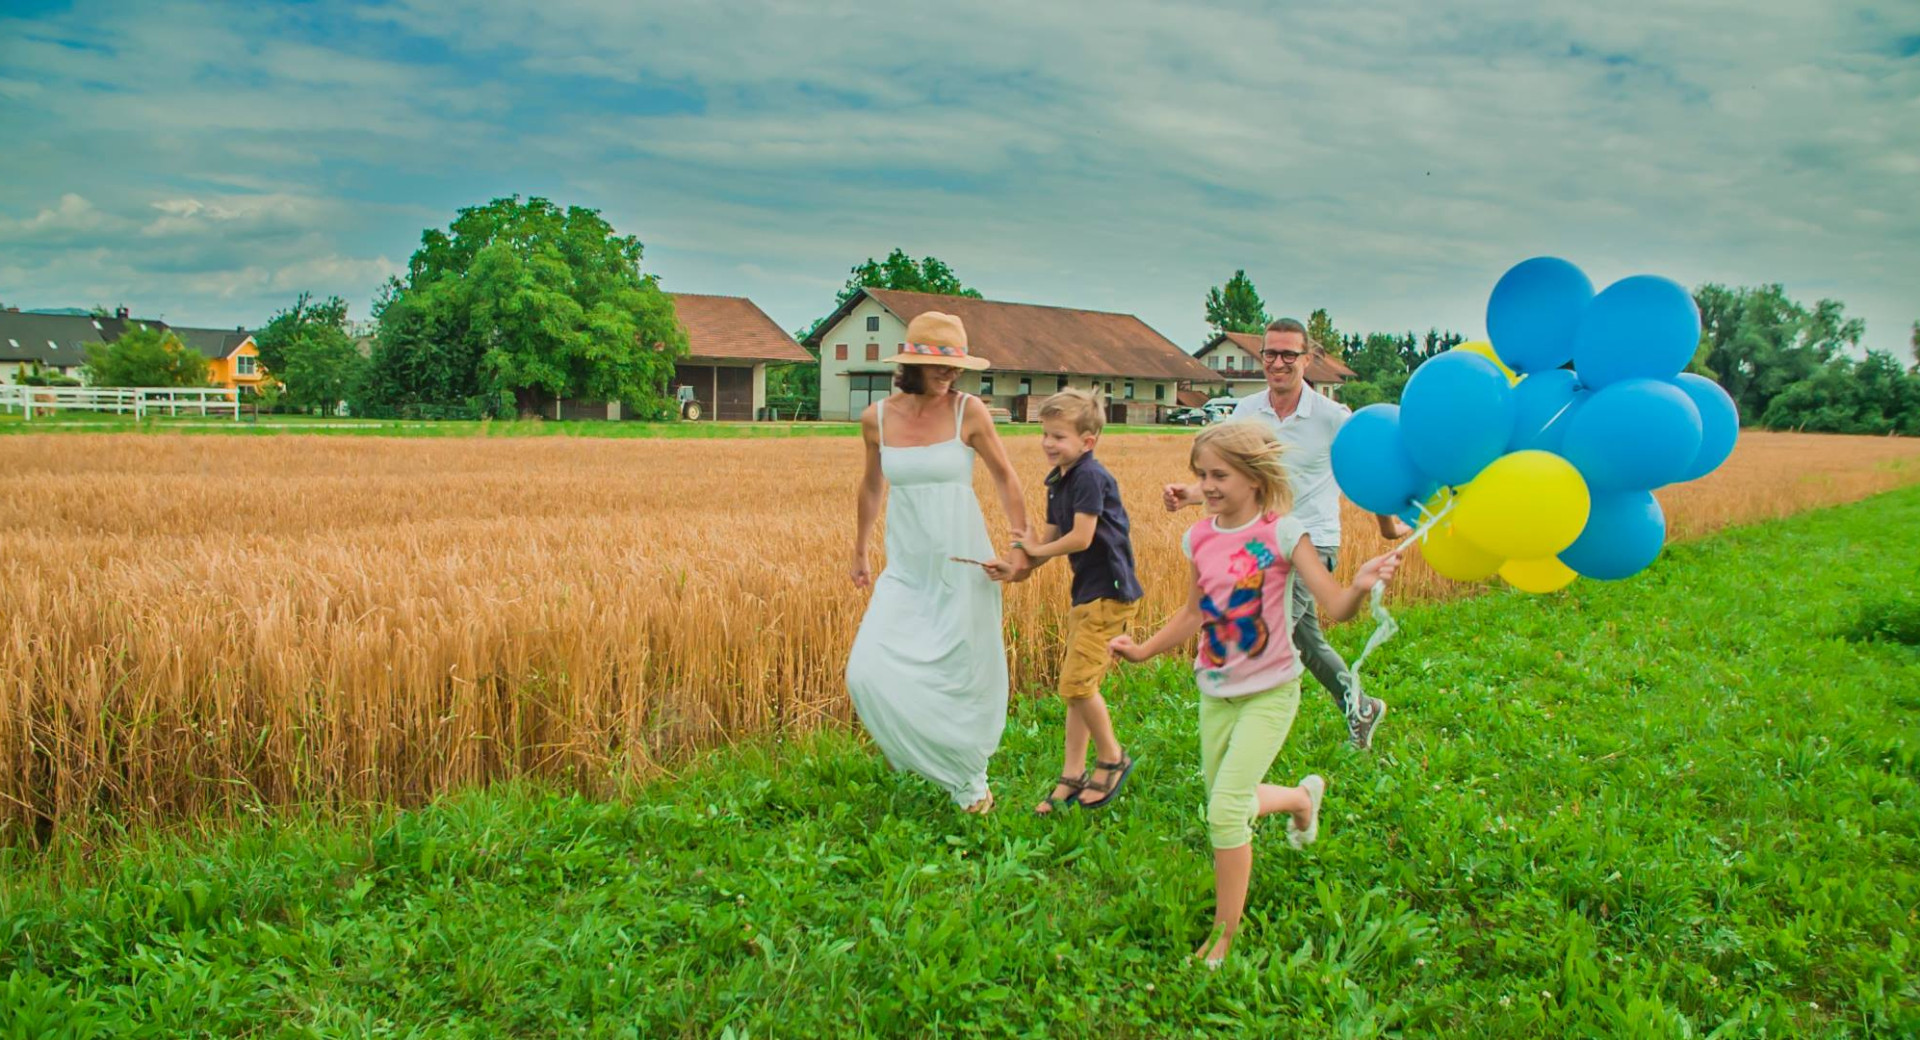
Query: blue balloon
pixel 1456 414
pixel 1719 423
pixel 1534 311
pixel 1542 405
pixel 1643 327
pixel 1624 533
pixel 1371 464
pixel 1635 435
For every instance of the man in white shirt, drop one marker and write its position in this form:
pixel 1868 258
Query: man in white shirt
pixel 1306 421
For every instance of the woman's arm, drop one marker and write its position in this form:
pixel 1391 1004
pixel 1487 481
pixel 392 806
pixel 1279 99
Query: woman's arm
pixel 1176 633
pixel 867 509
pixel 977 427
pixel 1340 602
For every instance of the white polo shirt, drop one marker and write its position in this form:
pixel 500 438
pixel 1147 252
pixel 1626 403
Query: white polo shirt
pixel 1308 434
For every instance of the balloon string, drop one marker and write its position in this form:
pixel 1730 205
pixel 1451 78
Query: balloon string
pixel 1384 626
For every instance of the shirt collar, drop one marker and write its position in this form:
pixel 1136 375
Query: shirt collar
pixel 1304 409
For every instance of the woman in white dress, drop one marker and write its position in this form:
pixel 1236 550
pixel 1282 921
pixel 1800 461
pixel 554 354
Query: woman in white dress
pixel 928 673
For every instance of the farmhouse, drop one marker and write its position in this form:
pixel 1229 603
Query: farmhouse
pixel 56 344
pixel 1236 357
pixel 233 359
pixel 1036 351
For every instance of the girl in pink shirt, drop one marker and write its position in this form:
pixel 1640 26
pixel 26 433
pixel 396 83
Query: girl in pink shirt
pixel 1246 557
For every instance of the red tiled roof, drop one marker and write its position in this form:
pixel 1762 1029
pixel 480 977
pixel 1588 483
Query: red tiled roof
pixel 1322 369
pixel 1026 337
pixel 732 328
pixel 1191 398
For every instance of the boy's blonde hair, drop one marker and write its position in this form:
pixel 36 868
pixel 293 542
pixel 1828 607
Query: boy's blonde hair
pixel 1080 407
pixel 1251 449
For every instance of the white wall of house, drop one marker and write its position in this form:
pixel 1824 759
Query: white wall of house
pixel 853 369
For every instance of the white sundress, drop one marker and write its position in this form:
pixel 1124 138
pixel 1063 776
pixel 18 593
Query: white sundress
pixel 928 672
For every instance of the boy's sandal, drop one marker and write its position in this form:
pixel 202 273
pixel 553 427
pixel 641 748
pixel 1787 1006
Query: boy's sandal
pixel 1111 789
pixel 1073 784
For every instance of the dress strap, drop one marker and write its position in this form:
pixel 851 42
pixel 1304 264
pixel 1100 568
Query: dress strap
pixel 959 416
pixel 880 420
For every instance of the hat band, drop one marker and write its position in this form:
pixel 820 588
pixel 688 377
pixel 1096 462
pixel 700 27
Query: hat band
pixel 934 350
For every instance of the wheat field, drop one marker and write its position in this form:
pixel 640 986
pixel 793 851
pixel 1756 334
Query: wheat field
pixel 211 625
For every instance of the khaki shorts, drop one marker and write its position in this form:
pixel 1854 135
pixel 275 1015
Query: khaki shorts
pixel 1090 627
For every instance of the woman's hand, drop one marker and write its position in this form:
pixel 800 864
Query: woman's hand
pixel 859 572
pixel 1001 570
pixel 1126 649
pixel 1377 571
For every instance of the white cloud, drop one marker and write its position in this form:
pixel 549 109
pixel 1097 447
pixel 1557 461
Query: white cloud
pixel 1386 161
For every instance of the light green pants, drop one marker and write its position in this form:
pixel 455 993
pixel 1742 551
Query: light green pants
pixel 1239 739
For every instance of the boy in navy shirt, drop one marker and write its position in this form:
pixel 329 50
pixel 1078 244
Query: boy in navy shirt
pixel 1087 524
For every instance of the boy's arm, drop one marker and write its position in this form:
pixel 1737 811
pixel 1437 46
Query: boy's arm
pixel 1077 540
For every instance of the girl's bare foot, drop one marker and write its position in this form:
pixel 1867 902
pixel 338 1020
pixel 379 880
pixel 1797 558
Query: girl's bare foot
pixel 983 806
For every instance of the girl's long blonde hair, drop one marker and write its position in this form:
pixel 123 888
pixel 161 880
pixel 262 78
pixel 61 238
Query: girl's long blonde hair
pixel 1251 449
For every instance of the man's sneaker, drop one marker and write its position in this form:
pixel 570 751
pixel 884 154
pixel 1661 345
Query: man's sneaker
pixel 1364 719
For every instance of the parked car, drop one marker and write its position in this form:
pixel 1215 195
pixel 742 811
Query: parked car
pixel 1220 409
pixel 1189 417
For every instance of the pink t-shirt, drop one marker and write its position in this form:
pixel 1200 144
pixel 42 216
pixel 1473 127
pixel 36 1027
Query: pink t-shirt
pixel 1246 592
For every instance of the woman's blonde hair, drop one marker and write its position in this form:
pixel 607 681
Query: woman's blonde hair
pixel 1254 452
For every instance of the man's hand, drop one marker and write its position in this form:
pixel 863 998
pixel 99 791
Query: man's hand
pixel 1179 496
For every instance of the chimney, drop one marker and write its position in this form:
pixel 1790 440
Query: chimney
pixel 120 312
pixel 239 328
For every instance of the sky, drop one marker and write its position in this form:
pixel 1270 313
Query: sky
pixel 204 161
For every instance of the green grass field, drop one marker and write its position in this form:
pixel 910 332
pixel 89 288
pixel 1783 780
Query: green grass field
pixel 1686 805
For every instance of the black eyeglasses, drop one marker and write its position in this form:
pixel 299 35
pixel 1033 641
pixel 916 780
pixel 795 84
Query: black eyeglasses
pixel 1289 356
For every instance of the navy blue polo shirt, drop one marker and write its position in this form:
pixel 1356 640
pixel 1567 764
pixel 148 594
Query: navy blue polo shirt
pixel 1103 570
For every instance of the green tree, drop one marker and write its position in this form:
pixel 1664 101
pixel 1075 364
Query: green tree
pixel 1914 343
pixel 1236 307
pixel 146 356
pixel 518 303
pixel 1760 342
pixel 1320 330
pixel 900 271
pixel 307 348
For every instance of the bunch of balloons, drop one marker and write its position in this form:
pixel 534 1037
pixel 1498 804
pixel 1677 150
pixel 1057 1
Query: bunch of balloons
pixel 1539 472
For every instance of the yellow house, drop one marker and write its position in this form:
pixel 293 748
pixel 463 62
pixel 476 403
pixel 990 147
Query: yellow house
pixel 232 357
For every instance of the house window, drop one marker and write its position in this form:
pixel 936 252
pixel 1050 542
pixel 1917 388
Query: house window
pixel 873 352
pixel 873 323
pixel 1060 384
pixel 839 351
pixel 1129 389
pixel 1026 386
pixel 246 365
pixel 864 388
pixel 1109 391
pixel 986 386
pixel 1159 391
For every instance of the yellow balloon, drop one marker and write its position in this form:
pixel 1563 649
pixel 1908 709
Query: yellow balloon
pixel 1450 555
pixel 1485 350
pixel 1523 506
pixel 1546 574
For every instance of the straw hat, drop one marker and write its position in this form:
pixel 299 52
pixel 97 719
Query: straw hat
pixel 934 338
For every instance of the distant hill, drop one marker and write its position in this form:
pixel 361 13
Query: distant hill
pixel 81 311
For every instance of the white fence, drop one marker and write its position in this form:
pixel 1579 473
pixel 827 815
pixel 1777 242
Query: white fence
pixel 137 401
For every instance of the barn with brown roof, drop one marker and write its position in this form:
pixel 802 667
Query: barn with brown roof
pixel 1036 351
pixel 730 342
